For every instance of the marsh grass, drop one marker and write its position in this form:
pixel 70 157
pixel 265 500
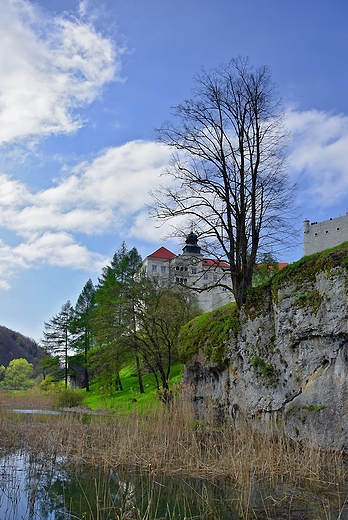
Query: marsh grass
pixel 30 398
pixel 169 441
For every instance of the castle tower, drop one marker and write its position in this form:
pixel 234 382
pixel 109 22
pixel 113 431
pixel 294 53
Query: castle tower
pixel 306 226
pixel 191 247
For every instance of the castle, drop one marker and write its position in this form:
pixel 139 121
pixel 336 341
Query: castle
pixel 319 236
pixel 207 277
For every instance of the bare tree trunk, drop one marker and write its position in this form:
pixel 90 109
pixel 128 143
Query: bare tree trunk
pixel 228 171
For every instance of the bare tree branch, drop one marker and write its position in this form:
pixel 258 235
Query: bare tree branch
pixel 229 170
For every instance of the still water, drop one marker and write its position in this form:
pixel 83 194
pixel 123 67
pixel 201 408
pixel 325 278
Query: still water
pixel 34 489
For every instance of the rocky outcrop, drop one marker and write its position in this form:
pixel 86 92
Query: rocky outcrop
pixel 287 366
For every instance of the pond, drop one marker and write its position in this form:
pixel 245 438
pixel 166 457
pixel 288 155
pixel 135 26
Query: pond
pixel 33 411
pixel 33 489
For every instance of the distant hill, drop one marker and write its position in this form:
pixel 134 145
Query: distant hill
pixel 14 345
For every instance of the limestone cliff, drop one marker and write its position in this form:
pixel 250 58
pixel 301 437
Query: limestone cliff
pixel 286 364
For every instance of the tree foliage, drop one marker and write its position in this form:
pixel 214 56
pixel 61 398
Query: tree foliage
pixel 82 324
pixel 18 374
pixel 114 315
pixel 57 336
pixel 228 171
pixel 126 318
pixel 160 312
pixel 265 269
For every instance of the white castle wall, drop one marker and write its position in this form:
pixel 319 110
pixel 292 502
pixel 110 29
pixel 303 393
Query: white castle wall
pixel 190 271
pixel 319 236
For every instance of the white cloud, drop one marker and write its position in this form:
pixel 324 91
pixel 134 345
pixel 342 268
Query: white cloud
pixel 48 67
pixel 59 249
pixel 319 155
pixel 108 194
pixel 96 196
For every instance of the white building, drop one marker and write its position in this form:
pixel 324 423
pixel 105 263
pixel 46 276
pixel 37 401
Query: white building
pixel 319 236
pixel 208 278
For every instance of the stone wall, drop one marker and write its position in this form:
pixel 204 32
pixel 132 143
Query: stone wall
pixel 288 366
pixel 319 236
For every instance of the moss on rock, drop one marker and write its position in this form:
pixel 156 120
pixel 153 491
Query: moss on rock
pixel 210 333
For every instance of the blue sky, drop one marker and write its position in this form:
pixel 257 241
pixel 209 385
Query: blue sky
pixel 83 85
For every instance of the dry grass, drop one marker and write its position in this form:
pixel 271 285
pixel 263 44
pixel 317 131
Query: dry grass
pixel 170 441
pixel 31 398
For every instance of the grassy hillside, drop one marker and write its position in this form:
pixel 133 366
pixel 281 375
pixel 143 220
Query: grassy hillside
pixel 130 399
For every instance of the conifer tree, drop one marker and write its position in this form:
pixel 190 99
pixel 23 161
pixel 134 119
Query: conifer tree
pixel 82 324
pixel 114 316
pixel 57 338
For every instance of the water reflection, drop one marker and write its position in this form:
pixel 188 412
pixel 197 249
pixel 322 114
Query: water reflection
pixel 33 489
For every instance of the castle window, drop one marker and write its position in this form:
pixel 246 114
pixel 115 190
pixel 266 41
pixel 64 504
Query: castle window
pixel 163 268
pixel 154 268
pixel 205 277
pixel 215 277
pixel 177 268
pixel 194 270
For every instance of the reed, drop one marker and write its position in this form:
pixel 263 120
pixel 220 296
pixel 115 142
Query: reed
pixel 171 441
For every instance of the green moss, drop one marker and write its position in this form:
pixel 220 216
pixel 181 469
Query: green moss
pixel 313 407
pixel 312 299
pixel 300 275
pixel 210 333
pixel 266 370
pixel 306 269
pixel 255 301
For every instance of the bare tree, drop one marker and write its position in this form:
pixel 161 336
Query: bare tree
pixel 228 168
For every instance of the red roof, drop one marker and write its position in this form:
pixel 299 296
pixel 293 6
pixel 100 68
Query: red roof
pixel 163 254
pixel 216 263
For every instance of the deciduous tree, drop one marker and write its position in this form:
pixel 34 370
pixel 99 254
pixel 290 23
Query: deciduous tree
pixel 18 373
pixel 228 169
pixel 160 312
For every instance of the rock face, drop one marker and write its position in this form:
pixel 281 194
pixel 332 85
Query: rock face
pixel 287 367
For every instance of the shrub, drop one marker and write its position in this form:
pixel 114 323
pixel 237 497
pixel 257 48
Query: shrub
pixel 68 398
